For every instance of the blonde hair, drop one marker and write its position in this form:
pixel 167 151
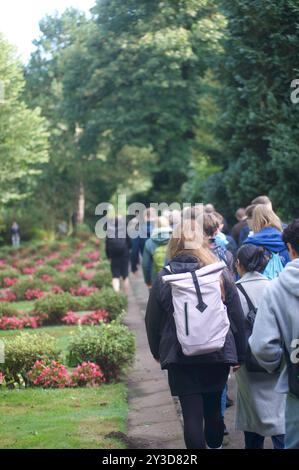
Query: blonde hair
pixel 263 216
pixel 188 238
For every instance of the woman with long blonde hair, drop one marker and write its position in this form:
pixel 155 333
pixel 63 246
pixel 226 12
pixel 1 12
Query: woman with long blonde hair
pixel 197 380
pixel 267 229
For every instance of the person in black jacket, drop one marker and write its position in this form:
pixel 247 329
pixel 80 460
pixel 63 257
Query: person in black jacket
pixel 198 381
pixel 117 247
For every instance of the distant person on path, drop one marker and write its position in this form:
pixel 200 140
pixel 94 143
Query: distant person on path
pixel 199 380
pixel 260 410
pixel 276 333
pixel 15 234
pixel 267 233
pixel 118 246
pixel 155 250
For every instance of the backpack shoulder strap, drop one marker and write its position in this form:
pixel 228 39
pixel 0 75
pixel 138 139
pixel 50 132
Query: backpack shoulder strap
pixel 248 300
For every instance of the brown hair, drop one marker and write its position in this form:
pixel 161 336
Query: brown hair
pixel 188 238
pixel 264 217
pixel 261 200
pixel 210 224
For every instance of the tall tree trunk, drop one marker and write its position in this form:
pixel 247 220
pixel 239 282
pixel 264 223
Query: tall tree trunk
pixel 81 204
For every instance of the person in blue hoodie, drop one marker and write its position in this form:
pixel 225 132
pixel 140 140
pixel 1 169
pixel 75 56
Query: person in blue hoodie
pixel 267 232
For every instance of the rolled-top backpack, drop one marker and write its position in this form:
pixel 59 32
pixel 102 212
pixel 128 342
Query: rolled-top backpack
pixel 199 313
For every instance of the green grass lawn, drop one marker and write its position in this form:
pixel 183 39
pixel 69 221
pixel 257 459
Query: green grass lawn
pixel 63 419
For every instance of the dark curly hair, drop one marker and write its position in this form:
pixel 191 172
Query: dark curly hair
pixel 291 235
pixel 252 258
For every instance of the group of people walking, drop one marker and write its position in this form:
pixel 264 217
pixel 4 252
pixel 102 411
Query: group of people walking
pixel 224 302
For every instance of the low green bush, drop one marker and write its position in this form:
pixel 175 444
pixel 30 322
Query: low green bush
pixel 8 273
pixel 103 278
pixel 55 306
pixel 23 350
pixel 111 346
pixel 23 285
pixel 45 270
pixel 115 303
pixel 67 281
pixel 7 310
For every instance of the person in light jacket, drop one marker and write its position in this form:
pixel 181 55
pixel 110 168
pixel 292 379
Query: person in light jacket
pixel 276 329
pixel 260 410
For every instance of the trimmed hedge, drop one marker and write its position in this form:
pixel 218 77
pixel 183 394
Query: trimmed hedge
pixel 23 350
pixel 115 303
pixel 111 346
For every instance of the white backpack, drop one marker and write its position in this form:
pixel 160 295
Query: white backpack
pixel 200 316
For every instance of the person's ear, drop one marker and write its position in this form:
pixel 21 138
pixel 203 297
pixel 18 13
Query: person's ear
pixel 293 253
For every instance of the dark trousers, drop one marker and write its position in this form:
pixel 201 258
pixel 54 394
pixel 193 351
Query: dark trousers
pixel 255 441
pixel 203 423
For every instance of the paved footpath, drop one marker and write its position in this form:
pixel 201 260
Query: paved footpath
pixel 154 420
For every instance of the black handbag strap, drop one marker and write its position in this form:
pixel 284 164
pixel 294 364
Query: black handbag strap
pixel 248 300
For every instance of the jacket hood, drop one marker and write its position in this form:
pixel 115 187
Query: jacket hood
pixel 161 235
pixel 289 277
pixel 270 238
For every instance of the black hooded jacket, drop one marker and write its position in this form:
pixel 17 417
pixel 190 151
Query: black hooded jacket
pixel 160 325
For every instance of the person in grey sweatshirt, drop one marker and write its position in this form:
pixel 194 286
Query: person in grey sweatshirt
pixel 260 410
pixel 276 330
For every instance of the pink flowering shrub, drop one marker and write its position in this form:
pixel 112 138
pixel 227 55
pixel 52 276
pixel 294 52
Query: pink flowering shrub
pixel 9 281
pixel 56 289
pixel 71 318
pixel 32 294
pixel 89 265
pixel 87 374
pixel 19 323
pixel 2 379
pixel 28 270
pixel 64 264
pixel 87 276
pixel 95 317
pixel 7 295
pixel 93 255
pixel 83 291
pixel 49 375
pixel 55 375
pixel 46 278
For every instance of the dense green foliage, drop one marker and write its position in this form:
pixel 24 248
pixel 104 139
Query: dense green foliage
pixel 110 346
pixel 165 101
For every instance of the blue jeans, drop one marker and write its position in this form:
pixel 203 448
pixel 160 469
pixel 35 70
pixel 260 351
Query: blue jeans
pixel 256 441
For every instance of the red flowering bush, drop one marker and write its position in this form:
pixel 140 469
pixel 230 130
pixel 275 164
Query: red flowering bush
pixel 87 276
pixel 2 379
pixel 46 278
pixel 71 318
pixel 9 281
pixel 32 294
pixel 49 375
pixel 89 265
pixel 87 374
pixel 18 323
pixel 95 317
pixel 93 255
pixel 64 264
pixel 56 289
pixel 7 295
pixel 83 291
pixel 29 270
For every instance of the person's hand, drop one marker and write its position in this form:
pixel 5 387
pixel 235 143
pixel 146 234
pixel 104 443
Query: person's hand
pixel 236 368
pixel 149 286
